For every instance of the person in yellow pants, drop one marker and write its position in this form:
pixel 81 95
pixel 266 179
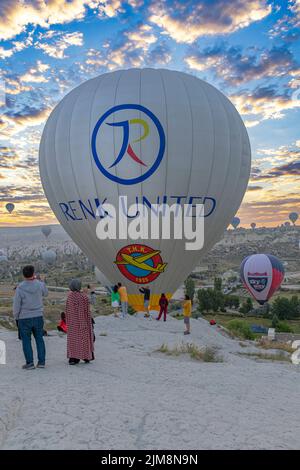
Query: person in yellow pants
pixel 187 313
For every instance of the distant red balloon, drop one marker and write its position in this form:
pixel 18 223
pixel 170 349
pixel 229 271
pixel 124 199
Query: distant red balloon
pixel 212 322
pixel 262 275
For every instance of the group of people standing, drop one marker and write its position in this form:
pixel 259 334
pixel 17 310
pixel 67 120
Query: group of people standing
pixel 76 321
pixel 119 297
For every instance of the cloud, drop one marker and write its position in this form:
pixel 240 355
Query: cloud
pixel 130 49
pixel 289 169
pixel 8 157
pixel 287 27
pixel 15 15
pixel 254 188
pixel 273 202
pixel 160 54
pixel 109 8
pixel 4 53
pixel 16 121
pixel 264 102
pixel 35 74
pixel 236 67
pixel 57 43
pixel 187 20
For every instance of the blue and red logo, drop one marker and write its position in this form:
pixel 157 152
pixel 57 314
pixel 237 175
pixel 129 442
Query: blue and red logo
pixel 143 133
pixel 140 264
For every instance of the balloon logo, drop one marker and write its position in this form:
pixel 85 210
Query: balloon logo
pixel 140 263
pixel 262 275
pixel 102 133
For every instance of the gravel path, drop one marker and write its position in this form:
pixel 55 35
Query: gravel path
pixel 132 397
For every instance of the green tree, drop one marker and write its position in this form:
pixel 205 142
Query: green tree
pixel 231 301
pixel 189 288
pixel 294 307
pixel 275 321
pixel 218 284
pixel 281 308
pixel 204 300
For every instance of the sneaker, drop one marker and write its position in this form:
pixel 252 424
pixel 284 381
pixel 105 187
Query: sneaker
pixel 40 366
pixel 28 366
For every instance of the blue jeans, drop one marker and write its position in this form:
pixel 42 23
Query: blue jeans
pixel 36 327
pixel 124 309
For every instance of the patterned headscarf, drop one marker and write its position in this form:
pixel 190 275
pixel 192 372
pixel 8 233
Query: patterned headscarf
pixel 75 285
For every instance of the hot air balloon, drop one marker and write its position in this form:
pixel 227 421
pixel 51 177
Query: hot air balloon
pixel 293 216
pixel 235 222
pixel 103 280
pixel 49 256
pixel 253 225
pixel 262 275
pixel 153 136
pixel 287 224
pixel 46 231
pixel 10 207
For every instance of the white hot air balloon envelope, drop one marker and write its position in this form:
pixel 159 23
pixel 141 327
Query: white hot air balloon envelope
pixel 155 136
pixel 103 280
pixel 49 256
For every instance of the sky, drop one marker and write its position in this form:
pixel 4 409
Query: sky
pixel 248 49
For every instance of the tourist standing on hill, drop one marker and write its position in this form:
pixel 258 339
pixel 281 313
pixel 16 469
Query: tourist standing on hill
pixel 124 299
pixel 187 313
pixel 163 303
pixel 28 312
pixel 80 345
pixel 115 300
pixel 146 291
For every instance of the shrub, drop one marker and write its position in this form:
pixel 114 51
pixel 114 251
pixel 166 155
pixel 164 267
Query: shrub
pixel 284 327
pixel 247 306
pixel 240 328
pixel 206 354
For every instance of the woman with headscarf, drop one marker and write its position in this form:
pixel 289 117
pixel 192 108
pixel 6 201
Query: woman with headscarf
pixel 80 344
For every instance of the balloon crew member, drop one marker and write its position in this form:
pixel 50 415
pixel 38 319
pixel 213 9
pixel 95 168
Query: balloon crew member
pixel 187 313
pixel 146 291
pixel 115 300
pixel 163 303
pixel 124 299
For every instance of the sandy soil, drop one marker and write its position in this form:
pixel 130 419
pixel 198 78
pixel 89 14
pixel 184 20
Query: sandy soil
pixel 132 397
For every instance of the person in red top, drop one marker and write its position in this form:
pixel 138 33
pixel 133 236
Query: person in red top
pixel 163 303
pixel 62 326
